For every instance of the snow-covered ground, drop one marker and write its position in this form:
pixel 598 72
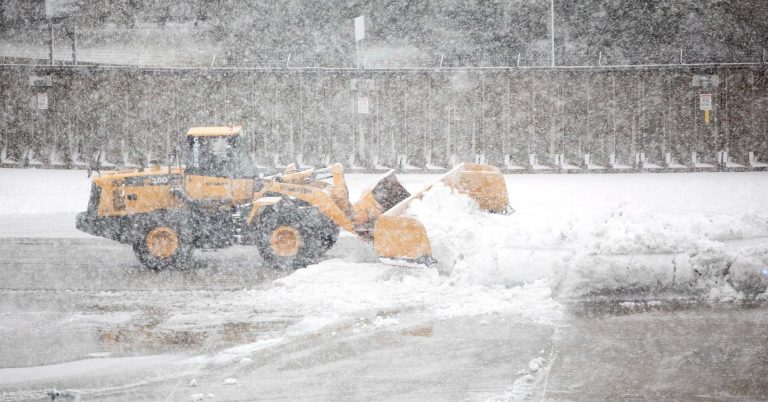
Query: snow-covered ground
pixel 698 234
pixel 579 232
pixel 41 203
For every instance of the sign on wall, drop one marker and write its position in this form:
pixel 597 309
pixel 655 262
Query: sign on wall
pixel 363 84
pixel 705 80
pixel 40 81
pixel 62 8
pixel 362 104
pixel 705 102
pixel 42 101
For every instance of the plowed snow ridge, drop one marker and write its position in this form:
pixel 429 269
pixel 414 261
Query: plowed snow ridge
pixel 624 247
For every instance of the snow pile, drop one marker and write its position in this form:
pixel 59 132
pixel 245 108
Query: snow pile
pixel 474 246
pixel 636 247
pixel 632 229
pixel 346 288
pixel 623 247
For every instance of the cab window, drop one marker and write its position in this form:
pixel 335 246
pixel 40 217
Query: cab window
pixel 208 156
pixel 243 168
pixel 219 157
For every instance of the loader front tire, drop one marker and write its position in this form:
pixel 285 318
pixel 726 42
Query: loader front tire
pixel 161 245
pixel 290 236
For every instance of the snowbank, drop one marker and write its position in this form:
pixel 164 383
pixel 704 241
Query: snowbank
pixel 627 246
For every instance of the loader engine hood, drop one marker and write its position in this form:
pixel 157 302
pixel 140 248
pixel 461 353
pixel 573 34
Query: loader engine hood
pixel 128 192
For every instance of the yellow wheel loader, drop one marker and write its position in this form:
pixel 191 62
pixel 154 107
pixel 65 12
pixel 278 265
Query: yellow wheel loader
pixel 219 199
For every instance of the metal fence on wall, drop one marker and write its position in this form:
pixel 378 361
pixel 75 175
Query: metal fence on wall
pixel 520 119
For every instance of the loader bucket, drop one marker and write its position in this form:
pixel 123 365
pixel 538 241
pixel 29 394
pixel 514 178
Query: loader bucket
pixel 387 193
pixel 402 240
pixel 484 183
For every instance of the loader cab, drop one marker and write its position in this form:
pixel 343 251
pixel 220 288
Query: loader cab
pixel 218 166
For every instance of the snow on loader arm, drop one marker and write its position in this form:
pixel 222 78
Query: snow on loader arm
pixel 400 239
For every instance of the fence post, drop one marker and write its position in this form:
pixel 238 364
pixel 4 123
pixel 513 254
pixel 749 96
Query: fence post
pixel 50 41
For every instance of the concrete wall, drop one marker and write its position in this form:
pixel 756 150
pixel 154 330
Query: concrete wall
pixel 418 118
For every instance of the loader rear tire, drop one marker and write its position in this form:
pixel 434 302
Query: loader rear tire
pixel 291 236
pixel 161 245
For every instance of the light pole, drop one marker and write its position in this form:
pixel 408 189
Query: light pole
pixel 552 28
pixel 359 35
